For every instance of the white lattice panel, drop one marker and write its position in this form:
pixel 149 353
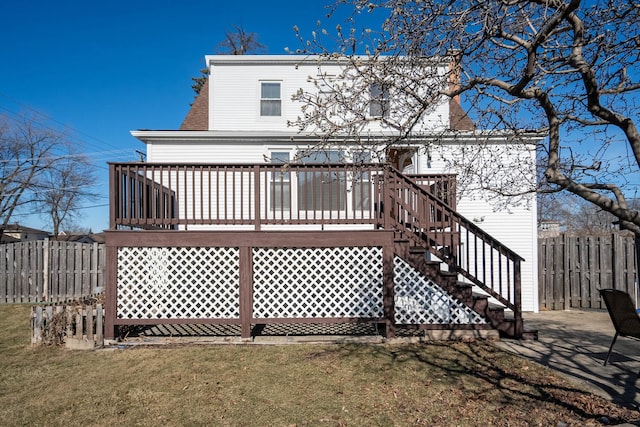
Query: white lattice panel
pixel 418 300
pixel 178 283
pixel 317 282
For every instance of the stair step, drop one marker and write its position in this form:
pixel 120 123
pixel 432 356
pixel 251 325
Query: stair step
pixel 435 268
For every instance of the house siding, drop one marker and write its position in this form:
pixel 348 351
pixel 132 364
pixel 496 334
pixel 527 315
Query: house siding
pixel 514 226
pixel 201 152
pixel 234 96
pixel 234 108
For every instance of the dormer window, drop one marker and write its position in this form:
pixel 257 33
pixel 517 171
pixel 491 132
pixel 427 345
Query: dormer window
pixel 270 100
pixel 379 104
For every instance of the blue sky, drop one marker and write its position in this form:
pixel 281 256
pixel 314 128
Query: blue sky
pixel 99 69
pixel 103 68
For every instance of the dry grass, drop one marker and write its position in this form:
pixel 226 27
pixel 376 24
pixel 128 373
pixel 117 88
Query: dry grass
pixel 334 385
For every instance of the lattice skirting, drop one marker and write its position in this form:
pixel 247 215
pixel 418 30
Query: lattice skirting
pixel 419 301
pixel 311 283
pixel 317 282
pixel 178 283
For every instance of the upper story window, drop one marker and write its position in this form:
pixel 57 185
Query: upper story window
pixel 379 105
pixel 270 99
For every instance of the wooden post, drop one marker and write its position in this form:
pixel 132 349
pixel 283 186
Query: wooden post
pixel 89 322
pixel 79 323
pixel 386 200
pixel 45 270
pixel 111 267
pixel 257 196
pixel 388 292
pixel 518 328
pixel 566 272
pixel 36 322
pixel 99 325
pixel 246 291
pixel 113 196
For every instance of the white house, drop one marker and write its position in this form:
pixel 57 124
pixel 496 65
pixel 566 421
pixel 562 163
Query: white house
pixel 246 115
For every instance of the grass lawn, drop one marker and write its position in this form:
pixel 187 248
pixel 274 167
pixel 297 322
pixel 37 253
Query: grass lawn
pixel 439 384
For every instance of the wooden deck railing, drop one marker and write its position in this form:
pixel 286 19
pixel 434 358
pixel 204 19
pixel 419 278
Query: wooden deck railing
pixel 145 195
pixel 424 219
pixel 202 196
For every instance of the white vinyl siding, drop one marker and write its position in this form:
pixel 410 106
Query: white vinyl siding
pixel 235 96
pixel 515 227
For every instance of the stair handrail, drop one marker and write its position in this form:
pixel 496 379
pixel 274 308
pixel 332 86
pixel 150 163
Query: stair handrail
pixel 430 223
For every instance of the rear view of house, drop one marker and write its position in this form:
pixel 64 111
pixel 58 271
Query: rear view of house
pixel 244 217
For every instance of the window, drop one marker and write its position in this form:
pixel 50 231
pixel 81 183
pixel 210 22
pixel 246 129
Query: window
pixel 379 104
pixel 270 101
pixel 361 187
pixel 280 185
pixel 322 190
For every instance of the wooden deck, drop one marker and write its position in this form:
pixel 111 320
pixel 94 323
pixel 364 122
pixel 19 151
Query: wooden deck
pixel 340 218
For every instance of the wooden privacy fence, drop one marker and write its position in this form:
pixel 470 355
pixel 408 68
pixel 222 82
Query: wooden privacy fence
pixel 571 269
pixel 50 271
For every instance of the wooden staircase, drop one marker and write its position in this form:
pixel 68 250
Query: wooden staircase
pixel 463 292
pixel 425 224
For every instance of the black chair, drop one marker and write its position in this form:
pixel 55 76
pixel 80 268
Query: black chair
pixel 623 314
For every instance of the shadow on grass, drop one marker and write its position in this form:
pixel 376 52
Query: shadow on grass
pixel 511 378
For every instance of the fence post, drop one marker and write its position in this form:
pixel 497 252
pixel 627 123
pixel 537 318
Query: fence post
pixel 99 326
pixel 567 266
pixel 94 283
pixel 36 325
pixel 45 270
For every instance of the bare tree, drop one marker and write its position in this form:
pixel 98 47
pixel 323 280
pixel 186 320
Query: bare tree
pixel 575 214
pixel 565 69
pixel 237 41
pixel 64 187
pixel 31 156
pixel 26 151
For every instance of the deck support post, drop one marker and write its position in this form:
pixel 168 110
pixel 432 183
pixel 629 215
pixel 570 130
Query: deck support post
pixel 388 293
pixel 111 267
pixel 246 291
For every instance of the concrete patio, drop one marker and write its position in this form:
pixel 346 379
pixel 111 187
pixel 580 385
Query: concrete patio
pixel 575 343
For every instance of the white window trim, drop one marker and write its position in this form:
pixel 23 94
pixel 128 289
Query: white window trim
pixel 259 103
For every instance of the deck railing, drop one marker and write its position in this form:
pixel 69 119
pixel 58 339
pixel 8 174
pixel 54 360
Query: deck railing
pixel 202 196
pixel 423 218
pixel 145 195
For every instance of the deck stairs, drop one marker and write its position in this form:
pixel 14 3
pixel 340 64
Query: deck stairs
pixel 428 237
pixel 497 315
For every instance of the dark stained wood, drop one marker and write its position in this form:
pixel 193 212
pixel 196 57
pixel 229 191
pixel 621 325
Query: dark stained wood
pixel 302 239
pixel 388 288
pixel 246 290
pixel 111 278
pixel 315 320
pixel 423 214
